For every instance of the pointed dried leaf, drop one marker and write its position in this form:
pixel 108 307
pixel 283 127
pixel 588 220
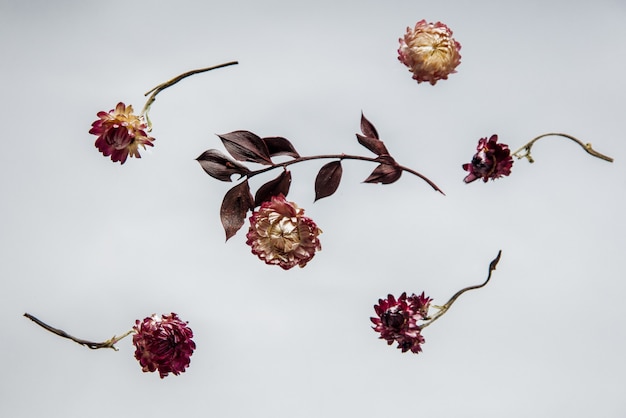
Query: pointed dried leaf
pixel 273 188
pixel 235 206
pixel 218 166
pixel 368 128
pixel 385 174
pixel 246 146
pixel 278 145
pixel 327 180
pixel 375 145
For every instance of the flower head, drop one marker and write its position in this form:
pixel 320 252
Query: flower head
pixel 430 51
pixel 280 234
pixel 397 320
pixel 120 133
pixel 491 161
pixel 163 343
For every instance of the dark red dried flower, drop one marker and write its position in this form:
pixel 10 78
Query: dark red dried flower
pixel 163 343
pixel 491 161
pixel 397 320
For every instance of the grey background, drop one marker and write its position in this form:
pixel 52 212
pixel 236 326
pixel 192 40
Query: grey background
pixel 89 246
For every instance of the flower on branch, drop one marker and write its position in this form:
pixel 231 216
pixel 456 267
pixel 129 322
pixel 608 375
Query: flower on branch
pixel 430 51
pixel 397 320
pixel 280 234
pixel 163 343
pixel 120 133
pixel 491 161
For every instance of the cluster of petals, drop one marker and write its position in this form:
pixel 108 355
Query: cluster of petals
pixel 397 320
pixel 120 133
pixel 430 51
pixel 163 343
pixel 491 161
pixel 281 235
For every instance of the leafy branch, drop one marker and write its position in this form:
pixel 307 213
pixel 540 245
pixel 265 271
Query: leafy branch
pixel 248 147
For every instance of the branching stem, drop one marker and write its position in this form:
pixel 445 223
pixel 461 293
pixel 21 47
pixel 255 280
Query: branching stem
pixel 93 345
pixel 343 157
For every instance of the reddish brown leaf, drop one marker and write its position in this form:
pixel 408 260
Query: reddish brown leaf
pixel 218 166
pixel 375 145
pixel 385 174
pixel 235 206
pixel 278 145
pixel 328 179
pixel 246 146
pixel 273 188
pixel 368 128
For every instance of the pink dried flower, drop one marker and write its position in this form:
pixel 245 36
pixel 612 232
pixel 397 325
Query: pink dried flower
pixel 397 320
pixel 430 51
pixel 163 343
pixel 120 133
pixel 280 234
pixel 491 161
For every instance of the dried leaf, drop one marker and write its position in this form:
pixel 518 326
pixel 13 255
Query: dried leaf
pixel 246 146
pixel 235 206
pixel 385 174
pixel 218 166
pixel 375 145
pixel 273 188
pixel 278 145
pixel 327 180
pixel 368 128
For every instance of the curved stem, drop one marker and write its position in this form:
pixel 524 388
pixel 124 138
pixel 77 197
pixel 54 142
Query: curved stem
pixel 153 93
pixel 443 309
pixel 93 345
pixel 342 157
pixel 586 146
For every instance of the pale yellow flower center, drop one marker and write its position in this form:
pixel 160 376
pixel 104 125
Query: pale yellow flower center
pixel 283 234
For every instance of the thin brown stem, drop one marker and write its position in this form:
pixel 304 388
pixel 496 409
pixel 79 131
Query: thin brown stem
pixel 93 345
pixel 443 309
pixel 341 157
pixel 586 146
pixel 153 93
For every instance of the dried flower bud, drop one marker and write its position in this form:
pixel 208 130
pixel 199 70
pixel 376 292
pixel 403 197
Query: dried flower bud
pixel 430 51
pixel 163 343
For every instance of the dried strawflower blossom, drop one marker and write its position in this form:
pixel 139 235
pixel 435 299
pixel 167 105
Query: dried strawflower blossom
pixel 163 343
pixel 491 161
pixel 280 234
pixel 120 133
pixel 430 51
pixel 397 320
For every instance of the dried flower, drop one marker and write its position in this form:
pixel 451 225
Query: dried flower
pixel 120 133
pixel 430 51
pixel 397 320
pixel 280 234
pixel 163 343
pixel 491 161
